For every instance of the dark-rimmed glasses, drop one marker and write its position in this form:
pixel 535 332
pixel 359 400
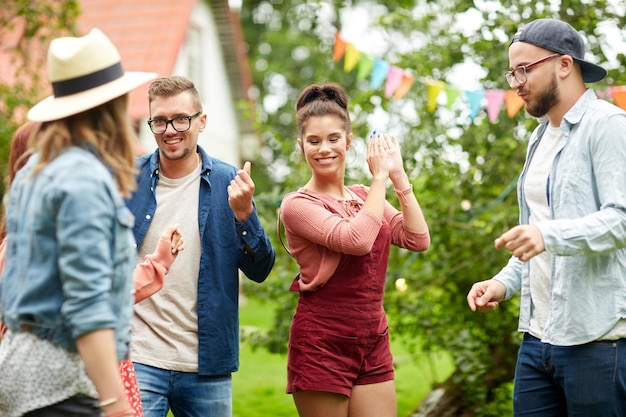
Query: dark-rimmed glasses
pixel 519 74
pixel 180 124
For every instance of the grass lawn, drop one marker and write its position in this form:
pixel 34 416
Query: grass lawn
pixel 259 385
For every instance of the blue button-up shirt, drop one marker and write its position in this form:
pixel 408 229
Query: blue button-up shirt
pixel 227 247
pixel 586 234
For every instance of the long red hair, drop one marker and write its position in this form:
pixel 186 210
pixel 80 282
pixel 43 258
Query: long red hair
pixel 18 155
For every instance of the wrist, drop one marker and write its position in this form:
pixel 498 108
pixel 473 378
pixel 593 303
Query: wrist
pixel 400 180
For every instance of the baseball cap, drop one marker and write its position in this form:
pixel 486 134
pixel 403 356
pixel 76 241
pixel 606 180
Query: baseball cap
pixel 558 36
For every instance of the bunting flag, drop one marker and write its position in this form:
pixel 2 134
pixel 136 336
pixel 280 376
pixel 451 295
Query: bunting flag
pixel 434 88
pixel 619 95
pixel 351 57
pixel 365 67
pixel 405 86
pixel 398 82
pixel 495 99
pixel 451 95
pixel 394 78
pixel 513 102
pixel 379 73
pixel 339 48
pixel 474 98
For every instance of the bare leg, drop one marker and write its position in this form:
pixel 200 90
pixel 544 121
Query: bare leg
pixel 374 400
pixel 321 404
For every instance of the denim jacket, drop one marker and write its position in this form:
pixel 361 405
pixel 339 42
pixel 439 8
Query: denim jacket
pixel 70 252
pixel 586 234
pixel 227 246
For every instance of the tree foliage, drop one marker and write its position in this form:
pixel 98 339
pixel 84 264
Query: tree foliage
pixel 464 172
pixel 26 28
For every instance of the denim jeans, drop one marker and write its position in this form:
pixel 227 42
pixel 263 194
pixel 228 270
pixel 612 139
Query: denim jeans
pixel 186 393
pixel 570 381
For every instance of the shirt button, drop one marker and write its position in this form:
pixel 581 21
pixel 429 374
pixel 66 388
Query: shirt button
pixel 147 217
pixel 244 233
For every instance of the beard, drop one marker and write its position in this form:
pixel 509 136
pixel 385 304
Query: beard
pixel 545 101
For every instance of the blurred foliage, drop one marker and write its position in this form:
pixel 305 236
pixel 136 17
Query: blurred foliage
pixel 464 172
pixel 26 28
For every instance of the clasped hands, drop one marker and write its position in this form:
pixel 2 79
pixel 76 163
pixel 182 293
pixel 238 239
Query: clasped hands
pixel 383 155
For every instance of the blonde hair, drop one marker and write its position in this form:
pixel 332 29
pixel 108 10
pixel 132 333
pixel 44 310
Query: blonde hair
pixel 107 128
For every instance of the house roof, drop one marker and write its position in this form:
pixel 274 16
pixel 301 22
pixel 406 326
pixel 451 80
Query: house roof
pixel 148 35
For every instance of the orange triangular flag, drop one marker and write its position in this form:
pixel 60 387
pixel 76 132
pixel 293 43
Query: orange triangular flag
pixel 619 95
pixel 513 102
pixel 339 48
pixel 405 86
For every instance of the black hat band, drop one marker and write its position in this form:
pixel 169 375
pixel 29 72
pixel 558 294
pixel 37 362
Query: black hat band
pixel 87 82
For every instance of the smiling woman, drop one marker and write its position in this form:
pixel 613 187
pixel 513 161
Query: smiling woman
pixel 340 237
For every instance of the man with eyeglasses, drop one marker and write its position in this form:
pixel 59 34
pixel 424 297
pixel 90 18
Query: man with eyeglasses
pixel 185 341
pixel 569 251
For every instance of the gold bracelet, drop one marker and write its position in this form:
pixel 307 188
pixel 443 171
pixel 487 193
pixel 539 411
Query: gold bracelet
pixel 403 193
pixel 110 401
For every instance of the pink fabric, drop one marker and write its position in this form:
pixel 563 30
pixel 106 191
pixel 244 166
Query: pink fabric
pixel 320 229
pixel 149 274
pixel 339 336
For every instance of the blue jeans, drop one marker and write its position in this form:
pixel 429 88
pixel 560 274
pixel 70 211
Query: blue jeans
pixel 570 381
pixel 186 393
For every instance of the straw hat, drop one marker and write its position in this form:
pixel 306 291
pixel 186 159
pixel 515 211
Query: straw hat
pixel 85 72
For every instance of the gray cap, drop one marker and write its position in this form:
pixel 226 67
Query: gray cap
pixel 558 36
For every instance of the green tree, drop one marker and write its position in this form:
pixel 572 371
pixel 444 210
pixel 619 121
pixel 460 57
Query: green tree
pixel 463 171
pixel 26 28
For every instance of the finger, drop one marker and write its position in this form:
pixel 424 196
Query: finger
pixel 488 307
pixel 246 167
pixel 471 302
pixel 499 243
pixel 385 142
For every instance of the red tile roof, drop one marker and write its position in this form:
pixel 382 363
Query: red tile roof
pixel 147 33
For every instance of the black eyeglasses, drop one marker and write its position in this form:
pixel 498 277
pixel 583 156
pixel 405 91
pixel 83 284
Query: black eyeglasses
pixel 519 74
pixel 180 124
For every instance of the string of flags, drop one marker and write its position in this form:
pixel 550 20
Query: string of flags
pixel 399 81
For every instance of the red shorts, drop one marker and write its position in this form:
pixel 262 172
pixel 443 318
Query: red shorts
pixel 332 349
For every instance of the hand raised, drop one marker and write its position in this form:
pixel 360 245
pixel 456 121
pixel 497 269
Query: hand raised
pixel 175 237
pixel 524 241
pixel 377 158
pixel 241 192
pixel 486 295
pixel 394 156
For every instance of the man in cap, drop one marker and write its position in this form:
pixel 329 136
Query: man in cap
pixel 568 252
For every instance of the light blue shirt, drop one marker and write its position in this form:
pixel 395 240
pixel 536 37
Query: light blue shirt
pixel 586 234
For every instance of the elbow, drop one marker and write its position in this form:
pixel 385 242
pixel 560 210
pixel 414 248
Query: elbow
pixel 361 249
